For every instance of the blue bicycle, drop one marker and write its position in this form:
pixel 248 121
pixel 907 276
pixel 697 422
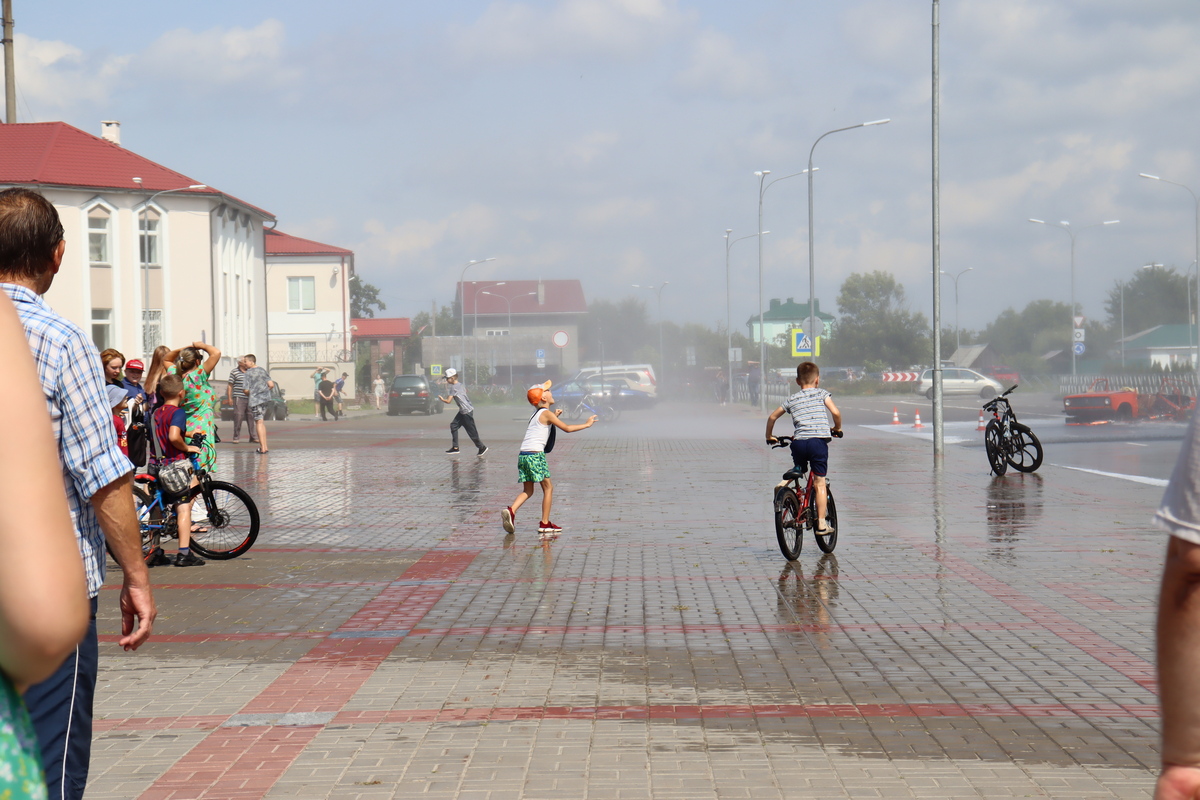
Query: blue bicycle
pixel 224 517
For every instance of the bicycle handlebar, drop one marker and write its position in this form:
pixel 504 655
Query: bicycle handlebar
pixel 784 441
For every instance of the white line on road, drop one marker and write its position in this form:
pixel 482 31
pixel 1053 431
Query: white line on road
pixel 1134 478
pixel 1136 444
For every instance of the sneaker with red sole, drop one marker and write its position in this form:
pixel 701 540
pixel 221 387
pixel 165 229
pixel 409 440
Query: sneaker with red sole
pixel 508 518
pixel 548 527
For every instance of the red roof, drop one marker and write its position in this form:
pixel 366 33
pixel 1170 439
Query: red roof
pixel 57 154
pixel 381 327
pixel 560 297
pixel 281 244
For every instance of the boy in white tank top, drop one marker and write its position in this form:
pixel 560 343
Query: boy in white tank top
pixel 531 462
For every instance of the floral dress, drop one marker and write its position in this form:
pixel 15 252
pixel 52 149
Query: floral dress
pixel 20 760
pixel 199 401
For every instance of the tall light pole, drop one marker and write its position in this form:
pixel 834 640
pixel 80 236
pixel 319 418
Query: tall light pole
pixel 812 274
pixel 1122 285
pixel 952 276
pixel 662 356
pixel 1195 200
pixel 475 292
pixel 1065 226
pixel 729 330
pixel 462 301
pixel 144 247
pixel 762 338
pixel 508 302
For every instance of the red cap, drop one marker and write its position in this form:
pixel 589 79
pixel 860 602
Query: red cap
pixel 133 363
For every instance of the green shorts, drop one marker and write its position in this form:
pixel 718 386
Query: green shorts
pixel 532 468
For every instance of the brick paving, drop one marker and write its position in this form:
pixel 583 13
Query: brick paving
pixel 971 636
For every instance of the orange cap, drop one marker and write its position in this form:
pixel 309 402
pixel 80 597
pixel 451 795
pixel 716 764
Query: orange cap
pixel 534 395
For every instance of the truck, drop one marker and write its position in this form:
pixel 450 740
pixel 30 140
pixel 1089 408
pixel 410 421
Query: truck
pixel 1104 401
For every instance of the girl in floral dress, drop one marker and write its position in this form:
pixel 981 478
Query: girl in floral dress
pixel 194 365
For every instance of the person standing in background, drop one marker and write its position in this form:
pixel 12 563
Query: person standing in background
pixel 258 392
pixel 378 388
pixel 235 393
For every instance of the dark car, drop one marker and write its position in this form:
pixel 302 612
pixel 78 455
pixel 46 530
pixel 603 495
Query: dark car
pixel 411 393
pixel 616 393
pixel 276 406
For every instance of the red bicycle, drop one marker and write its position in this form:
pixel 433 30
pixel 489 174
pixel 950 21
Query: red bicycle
pixel 796 508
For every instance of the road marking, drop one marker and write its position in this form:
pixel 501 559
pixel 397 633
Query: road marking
pixel 1134 478
pixel 1136 444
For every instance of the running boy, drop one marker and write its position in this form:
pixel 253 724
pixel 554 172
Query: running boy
pixel 811 437
pixel 170 421
pixel 531 462
pixel 465 418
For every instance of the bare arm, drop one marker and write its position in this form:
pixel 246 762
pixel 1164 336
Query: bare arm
pixel 1178 675
pixel 114 509
pixel 833 410
pixel 564 427
pixel 775 415
pixel 43 592
pixel 214 356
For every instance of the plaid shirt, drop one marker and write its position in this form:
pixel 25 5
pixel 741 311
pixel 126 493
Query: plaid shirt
pixel 69 368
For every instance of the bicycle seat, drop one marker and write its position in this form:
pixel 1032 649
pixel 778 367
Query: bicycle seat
pixel 793 474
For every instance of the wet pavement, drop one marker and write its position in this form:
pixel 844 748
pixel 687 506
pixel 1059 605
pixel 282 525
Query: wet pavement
pixel 970 637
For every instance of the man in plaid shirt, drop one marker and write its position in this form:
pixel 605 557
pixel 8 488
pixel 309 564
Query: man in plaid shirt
pixel 97 477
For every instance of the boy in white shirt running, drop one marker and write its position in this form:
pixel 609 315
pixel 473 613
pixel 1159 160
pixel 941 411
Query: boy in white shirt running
pixel 531 462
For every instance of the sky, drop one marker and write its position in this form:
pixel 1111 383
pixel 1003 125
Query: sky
pixel 615 141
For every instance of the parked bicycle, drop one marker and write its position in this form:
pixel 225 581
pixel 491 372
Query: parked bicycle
pixel 1008 441
pixel 224 517
pixel 588 405
pixel 796 509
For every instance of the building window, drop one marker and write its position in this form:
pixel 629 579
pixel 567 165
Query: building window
pixel 99 221
pixel 148 225
pixel 102 328
pixel 302 351
pixel 497 333
pixel 302 294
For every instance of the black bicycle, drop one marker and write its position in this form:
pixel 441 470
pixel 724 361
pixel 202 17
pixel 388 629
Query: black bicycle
pixel 796 509
pixel 1008 441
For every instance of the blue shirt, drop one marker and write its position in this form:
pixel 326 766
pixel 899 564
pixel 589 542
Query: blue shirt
pixel 133 389
pixel 69 370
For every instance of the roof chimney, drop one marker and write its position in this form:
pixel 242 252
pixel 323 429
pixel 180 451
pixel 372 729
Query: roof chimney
pixel 110 129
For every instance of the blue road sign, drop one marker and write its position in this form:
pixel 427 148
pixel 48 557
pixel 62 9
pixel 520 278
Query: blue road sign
pixel 539 354
pixel 1080 348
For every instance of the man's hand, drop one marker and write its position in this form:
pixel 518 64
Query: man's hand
pixel 114 509
pixel 1178 783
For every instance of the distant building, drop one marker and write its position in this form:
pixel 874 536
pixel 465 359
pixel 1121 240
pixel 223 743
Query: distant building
pixel 308 310
pixel 150 262
pixel 1164 345
pixel 781 317
pixel 382 336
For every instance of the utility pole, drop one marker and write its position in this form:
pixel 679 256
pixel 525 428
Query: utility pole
pixel 10 74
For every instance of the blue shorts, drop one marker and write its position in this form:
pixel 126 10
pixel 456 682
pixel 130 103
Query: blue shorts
pixel 811 451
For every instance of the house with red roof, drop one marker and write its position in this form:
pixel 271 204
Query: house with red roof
pixel 153 256
pixel 528 327
pixel 308 311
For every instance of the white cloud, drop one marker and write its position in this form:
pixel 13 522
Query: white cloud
pixel 616 211
pixel 415 238
pixel 223 56
pixel 54 76
pixel 715 65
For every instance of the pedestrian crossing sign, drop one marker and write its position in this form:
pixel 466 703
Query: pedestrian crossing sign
pixel 802 344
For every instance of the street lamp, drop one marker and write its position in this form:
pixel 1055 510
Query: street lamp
pixel 143 222
pixel 462 301
pixel 762 339
pixel 729 330
pixel 1196 200
pixel 812 274
pixel 508 302
pixel 662 356
pixel 1122 285
pixel 957 343
pixel 1065 226
pixel 475 292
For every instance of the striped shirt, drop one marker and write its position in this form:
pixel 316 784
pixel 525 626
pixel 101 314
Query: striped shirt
pixel 237 382
pixel 807 408
pixel 69 369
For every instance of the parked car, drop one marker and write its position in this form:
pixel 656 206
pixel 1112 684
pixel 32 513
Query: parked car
pixel 1006 375
pixel 957 380
pixel 617 393
pixel 640 376
pixel 1104 400
pixel 411 393
pixel 276 406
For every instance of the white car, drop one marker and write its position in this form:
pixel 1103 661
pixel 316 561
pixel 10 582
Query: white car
pixel 956 380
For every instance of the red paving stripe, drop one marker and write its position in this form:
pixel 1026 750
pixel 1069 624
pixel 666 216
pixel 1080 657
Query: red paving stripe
pixel 1088 599
pixel 670 712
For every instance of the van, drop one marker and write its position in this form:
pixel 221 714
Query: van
pixel 640 377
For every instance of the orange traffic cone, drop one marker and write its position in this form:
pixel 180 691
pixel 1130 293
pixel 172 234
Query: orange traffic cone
pixel 895 416
pixel 982 424
pixel 918 424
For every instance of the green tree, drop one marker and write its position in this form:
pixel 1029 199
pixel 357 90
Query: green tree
pixel 617 330
pixel 362 297
pixel 875 324
pixel 424 324
pixel 1153 296
pixel 1042 321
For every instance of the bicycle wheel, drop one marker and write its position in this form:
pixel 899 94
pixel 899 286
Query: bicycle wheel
pixel 829 540
pixel 150 518
pixel 995 448
pixel 231 518
pixel 608 413
pixel 1025 453
pixel 789 528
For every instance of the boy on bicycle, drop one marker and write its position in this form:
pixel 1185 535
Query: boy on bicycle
pixel 810 444
pixel 170 421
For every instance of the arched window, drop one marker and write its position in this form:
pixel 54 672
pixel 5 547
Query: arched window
pixel 149 222
pixel 99 236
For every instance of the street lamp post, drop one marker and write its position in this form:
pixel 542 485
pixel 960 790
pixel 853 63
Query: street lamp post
pixel 143 223
pixel 1196 200
pixel 1065 226
pixel 728 329
pixel 475 292
pixel 462 301
pixel 662 356
pixel 508 303
pixel 952 276
pixel 812 274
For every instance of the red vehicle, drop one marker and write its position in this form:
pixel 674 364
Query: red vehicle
pixel 1006 375
pixel 1104 402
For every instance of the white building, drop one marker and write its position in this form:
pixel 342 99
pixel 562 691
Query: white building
pixel 152 257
